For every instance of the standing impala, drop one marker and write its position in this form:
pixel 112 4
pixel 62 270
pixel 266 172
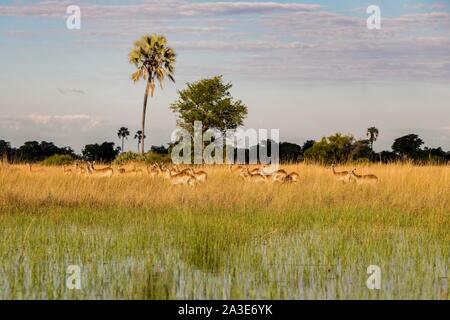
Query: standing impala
pixel 104 172
pixel 341 175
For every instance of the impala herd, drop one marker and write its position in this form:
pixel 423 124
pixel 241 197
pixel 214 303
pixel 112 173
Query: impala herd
pixel 189 176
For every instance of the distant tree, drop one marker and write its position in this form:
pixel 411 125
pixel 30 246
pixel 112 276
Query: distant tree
pixel 333 149
pixel 435 155
pixel 5 150
pixel 361 149
pixel 290 151
pixel 138 136
pixel 308 144
pixel 372 133
pixel 154 61
pixel 160 150
pixel 408 146
pixel 123 134
pixel 30 151
pixel 209 101
pixel 104 152
pixel 388 156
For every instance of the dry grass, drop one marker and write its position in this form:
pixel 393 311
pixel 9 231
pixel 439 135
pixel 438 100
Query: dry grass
pixel 225 238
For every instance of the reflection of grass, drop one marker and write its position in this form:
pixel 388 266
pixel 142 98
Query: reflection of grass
pixel 140 238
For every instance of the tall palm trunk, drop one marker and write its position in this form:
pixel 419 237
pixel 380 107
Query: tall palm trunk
pixel 144 110
pixel 122 143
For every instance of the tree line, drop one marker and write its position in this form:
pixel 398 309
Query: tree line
pixel 337 148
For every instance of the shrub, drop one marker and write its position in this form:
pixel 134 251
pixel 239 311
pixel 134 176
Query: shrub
pixel 153 157
pixel 127 157
pixel 149 157
pixel 58 160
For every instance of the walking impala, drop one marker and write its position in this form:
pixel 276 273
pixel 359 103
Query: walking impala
pixel 360 179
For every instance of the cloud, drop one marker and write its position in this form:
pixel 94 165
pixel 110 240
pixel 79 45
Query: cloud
pixel 240 45
pixel 154 8
pixel 68 91
pixel 83 120
pixel 421 5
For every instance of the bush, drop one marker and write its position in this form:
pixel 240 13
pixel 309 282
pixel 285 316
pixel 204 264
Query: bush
pixel 153 157
pixel 58 160
pixel 148 158
pixel 126 157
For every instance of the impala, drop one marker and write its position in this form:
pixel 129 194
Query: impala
pixel 366 178
pixel 80 168
pixel 153 170
pixel 200 176
pixel 67 170
pixel 182 178
pixel 291 177
pixel 104 172
pixel 340 175
pixel 279 176
pixel 254 177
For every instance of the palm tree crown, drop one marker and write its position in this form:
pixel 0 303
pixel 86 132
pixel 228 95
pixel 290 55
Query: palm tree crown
pixel 372 133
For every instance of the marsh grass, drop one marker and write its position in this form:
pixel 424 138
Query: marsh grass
pixel 140 238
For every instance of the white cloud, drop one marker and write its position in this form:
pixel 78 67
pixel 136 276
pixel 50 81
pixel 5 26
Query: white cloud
pixel 422 5
pixel 240 45
pixel 83 120
pixel 155 8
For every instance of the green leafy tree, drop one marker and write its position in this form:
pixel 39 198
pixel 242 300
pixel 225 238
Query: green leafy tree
pixel 154 61
pixel 408 146
pixel 361 149
pixel 333 149
pixel 123 134
pixel 5 150
pixel 209 101
pixel 307 145
pixel 104 152
pixel 372 133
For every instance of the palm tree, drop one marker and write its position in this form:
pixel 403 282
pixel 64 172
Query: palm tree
pixel 154 61
pixel 123 133
pixel 138 136
pixel 372 133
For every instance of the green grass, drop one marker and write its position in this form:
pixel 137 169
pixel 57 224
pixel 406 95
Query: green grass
pixel 139 254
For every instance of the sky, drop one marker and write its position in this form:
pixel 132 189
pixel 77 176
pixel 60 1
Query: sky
pixel 307 68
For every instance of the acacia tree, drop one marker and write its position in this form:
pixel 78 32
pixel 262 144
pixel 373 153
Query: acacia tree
pixel 123 134
pixel 209 101
pixel 154 61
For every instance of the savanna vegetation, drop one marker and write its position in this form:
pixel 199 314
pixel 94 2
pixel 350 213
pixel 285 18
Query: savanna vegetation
pixel 140 237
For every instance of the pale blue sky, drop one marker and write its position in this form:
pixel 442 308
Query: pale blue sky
pixel 308 68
